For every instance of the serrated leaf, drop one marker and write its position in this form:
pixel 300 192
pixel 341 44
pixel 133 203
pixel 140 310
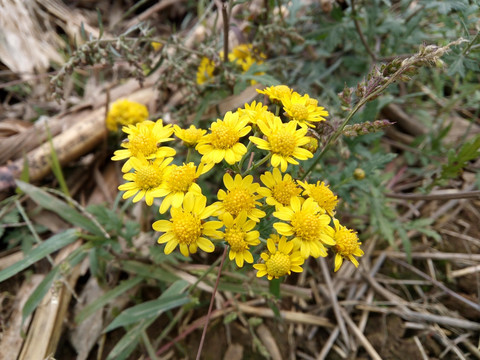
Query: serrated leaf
pixel 106 298
pixel 49 246
pixel 171 298
pixel 59 207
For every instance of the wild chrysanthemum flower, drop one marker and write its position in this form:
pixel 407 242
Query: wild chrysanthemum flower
pixel 279 191
pixel 239 235
pixel 187 227
pixel 279 261
pixel 179 181
pixel 190 136
pixel 277 93
pixel 156 45
pixel 303 110
pixel 241 195
pixel 347 245
pixel 284 141
pixel 253 112
pixel 125 112
pixel 309 226
pixel 145 180
pixel 322 194
pixel 145 139
pixel 205 71
pixel 223 140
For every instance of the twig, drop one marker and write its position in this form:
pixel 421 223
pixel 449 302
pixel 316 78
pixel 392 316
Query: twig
pixel 420 348
pixel 363 340
pixel 360 33
pixel 438 284
pixel 437 196
pixel 433 255
pixel 207 320
pixel 334 300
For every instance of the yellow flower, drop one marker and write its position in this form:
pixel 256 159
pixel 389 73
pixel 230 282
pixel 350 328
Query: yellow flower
pixel 178 181
pixel 253 112
pixel 284 141
pixel 241 195
pixel 239 235
pixel 347 245
pixel 279 191
pixel 146 179
pixel 277 94
pixel 281 261
pixel 309 226
pixel 322 195
pixel 156 45
pixel 223 140
pixel 125 112
pixel 188 228
pixel 145 139
pixel 303 110
pixel 190 136
pixel 205 71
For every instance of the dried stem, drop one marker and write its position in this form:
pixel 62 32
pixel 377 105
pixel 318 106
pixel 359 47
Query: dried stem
pixel 202 340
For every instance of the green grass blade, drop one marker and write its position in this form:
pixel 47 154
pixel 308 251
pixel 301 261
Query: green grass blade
pixel 56 168
pixel 106 298
pixel 59 207
pixel 36 297
pixel 51 245
pixel 171 298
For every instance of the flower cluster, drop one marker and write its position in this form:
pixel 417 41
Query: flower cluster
pixel 242 56
pixel 254 148
pixel 125 112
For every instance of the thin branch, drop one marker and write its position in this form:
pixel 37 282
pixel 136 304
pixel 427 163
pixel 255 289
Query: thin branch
pixel 207 320
pixel 360 33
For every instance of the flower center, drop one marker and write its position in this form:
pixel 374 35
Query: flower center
pixel 181 178
pixel 224 137
pixel 346 242
pixel 191 136
pixel 236 239
pixel 281 91
pixel 238 200
pixel 324 197
pixel 283 143
pixel 142 144
pixel 284 191
pixel 306 225
pixel 148 177
pixel 186 227
pixel 278 264
pixel 299 112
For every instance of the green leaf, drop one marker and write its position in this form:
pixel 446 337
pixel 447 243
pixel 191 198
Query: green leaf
pixel 128 342
pixel 59 207
pixel 171 298
pixel 457 161
pixel 36 297
pixel 49 246
pixel 148 271
pixel 106 298
pixel 38 294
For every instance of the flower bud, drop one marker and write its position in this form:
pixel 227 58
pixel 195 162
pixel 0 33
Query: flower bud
pixel 359 174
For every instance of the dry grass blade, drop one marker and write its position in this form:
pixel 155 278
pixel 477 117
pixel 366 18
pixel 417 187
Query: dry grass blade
pixel 44 333
pixel 359 335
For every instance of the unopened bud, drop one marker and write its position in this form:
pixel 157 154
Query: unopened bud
pixel 312 144
pixel 359 174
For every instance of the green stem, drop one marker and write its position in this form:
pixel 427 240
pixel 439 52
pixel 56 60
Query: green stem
pixel 357 107
pixel 189 154
pixel 249 149
pixel 257 164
